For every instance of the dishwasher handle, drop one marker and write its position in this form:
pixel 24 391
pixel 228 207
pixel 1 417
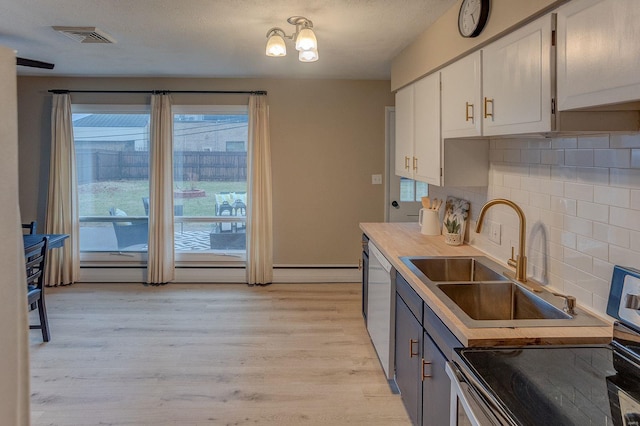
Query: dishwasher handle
pixel 378 254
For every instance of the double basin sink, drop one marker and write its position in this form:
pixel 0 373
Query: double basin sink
pixel 478 292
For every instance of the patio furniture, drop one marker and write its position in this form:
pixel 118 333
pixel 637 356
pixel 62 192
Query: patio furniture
pixel 228 240
pixel 131 233
pixel 178 210
pixel 35 260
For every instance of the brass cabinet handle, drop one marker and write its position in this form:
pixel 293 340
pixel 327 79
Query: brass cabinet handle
pixel 359 264
pixel 415 164
pixel 406 163
pixel 411 353
pixel 467 116
pixel 425 376
pixel 486 113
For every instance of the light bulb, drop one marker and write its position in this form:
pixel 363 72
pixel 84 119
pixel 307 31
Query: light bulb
pixel 306 40
pixel 276 46
pixel 308 55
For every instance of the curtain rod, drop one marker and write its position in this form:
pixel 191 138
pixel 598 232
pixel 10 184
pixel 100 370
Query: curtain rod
pixel 163 92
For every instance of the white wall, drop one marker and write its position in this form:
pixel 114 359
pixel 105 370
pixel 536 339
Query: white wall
pixel 581 197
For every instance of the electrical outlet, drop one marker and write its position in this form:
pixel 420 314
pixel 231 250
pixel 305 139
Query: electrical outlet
pixel 494 232
pixel 376 179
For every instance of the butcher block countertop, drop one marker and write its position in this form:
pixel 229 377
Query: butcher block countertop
pixel 404 239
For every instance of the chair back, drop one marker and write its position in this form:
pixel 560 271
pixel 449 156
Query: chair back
pixel 31 227
pixel 35 262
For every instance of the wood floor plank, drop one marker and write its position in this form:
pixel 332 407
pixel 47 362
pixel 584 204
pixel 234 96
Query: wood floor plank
pixel 203 354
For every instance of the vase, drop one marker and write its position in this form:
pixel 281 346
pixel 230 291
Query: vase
pixel 453 239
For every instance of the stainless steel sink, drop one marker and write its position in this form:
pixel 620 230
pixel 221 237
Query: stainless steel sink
pixel 500 301
pixel 478 292
pixel 456 269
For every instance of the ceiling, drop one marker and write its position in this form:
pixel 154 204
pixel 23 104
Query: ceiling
pixel 214 38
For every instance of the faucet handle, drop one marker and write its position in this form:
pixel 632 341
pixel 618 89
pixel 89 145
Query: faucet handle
pixel 512 261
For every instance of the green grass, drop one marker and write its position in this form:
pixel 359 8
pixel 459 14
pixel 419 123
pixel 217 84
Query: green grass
pixel 97 198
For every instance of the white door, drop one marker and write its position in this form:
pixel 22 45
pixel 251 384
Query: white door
pixel 400 205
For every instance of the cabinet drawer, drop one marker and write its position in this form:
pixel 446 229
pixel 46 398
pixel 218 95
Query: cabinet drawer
pixel 441 335
pixel 409 296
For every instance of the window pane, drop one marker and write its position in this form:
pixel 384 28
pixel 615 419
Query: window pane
pixel 407 190
pixel 422 190
pixel 210 181
pixel 112 158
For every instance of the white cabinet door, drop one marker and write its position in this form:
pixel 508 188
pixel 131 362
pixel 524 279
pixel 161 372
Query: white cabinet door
pixel 426 148
pixel 462 98
pixel 598 53
pixel 516 76
pixel 404 132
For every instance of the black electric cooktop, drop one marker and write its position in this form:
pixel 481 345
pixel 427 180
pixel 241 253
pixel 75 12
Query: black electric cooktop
pixel 584 385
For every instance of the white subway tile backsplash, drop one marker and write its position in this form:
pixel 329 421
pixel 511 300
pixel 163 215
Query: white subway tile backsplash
pixel 542 201
pixel 531 156
pixel 578 191
pixel 578 260
pixel 635 241
pixel 564 143
pixel 512 156
pixel 569 239
pixel 626 178
pixel 578 157
pixel 564 205
pixel 511 144
pixel 592 211
pixel 602 269
pixel 578 225
pixel 634 203
pixel 582 296
pixel 624 257
pixel 611 234
pixel 540 170
pixel 619 197
pixel 552 156
pixel 635 158
pixel 593 175
pixel 593 247
pixel 496 156
pixel 625 218
pixel 625 141
pixel 562 173
pixel 600 141
pixel 612 158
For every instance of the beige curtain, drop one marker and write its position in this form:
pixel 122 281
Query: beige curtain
pixel 63 265
pixel 14 348
pixel 161 262
pixel 259 214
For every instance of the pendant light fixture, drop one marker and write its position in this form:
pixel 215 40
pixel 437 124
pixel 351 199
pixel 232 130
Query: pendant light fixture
pixel 304 38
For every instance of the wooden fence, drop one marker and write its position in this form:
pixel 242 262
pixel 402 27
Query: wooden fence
pixel 99 166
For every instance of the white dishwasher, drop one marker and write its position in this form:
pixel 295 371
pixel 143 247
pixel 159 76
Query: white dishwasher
pixel 381 308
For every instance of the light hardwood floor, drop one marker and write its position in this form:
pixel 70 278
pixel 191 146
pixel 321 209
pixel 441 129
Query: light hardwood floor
pixel 182 354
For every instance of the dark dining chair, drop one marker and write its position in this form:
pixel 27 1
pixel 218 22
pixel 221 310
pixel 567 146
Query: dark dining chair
pixel 35 261
pixel 32 227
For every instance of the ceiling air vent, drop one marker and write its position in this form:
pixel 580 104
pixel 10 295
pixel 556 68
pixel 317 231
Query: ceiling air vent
pixel 86 34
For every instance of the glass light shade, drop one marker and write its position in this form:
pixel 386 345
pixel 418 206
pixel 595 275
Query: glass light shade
pixel 306 40
pixel 308 55
pixel 276 46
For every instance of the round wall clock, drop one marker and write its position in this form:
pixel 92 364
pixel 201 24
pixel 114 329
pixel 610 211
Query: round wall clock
pixel 473 17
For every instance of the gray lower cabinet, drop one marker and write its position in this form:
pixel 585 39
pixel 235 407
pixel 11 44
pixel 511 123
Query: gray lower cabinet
pixel 436 385
pixel 423 346
pixel 408 353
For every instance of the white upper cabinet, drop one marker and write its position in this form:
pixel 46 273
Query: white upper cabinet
pixel 516 81
pixel 598 53
pixel 462 97
pixel 404 132
pixel 427 154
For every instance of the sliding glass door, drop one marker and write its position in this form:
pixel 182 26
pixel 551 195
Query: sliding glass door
pixel 210 183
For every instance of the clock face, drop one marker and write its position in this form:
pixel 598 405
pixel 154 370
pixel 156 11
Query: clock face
pixel 473 17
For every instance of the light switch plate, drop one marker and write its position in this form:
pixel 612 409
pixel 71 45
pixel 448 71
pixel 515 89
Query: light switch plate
pixel 495 232
pixel 376 179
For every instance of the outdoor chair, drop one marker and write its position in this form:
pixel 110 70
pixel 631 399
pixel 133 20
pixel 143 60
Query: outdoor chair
pixel 178 210
pixel 35 261
pixel 131 233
